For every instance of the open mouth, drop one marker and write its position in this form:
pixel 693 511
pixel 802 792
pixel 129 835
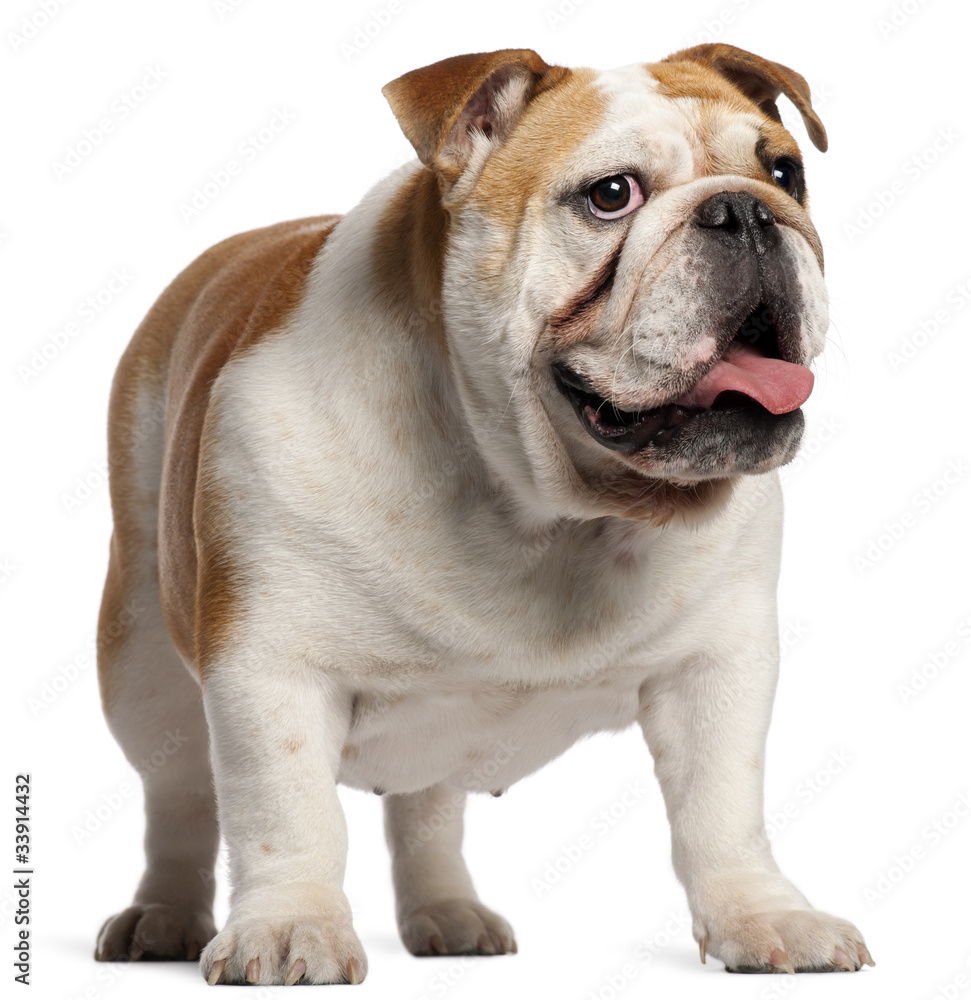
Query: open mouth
pixel 750 376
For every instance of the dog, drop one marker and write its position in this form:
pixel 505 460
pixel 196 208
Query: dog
pixel 447 483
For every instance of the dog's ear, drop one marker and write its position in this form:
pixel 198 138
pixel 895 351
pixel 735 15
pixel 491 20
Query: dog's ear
pixel 445 108
pixel 760 80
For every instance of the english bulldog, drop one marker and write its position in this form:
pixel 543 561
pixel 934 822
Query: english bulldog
pixel 447 483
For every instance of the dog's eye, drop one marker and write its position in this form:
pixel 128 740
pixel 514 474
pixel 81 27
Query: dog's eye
pixel 615 197
pixel 788 175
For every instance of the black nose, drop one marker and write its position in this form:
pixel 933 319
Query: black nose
pixel 741 219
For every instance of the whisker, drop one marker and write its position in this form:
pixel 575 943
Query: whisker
pixel 516 386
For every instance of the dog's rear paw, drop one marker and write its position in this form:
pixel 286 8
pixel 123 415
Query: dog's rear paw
pixel 155 930
pixel 456 927
pixel 787 941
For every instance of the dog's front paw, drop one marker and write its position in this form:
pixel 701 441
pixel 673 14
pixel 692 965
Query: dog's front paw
pixel 290 938
pixel 456 927
pixel 785 941
pixel 155 930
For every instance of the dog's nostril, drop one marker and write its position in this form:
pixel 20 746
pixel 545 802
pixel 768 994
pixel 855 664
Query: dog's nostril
pixel 715 214
pixel 763 214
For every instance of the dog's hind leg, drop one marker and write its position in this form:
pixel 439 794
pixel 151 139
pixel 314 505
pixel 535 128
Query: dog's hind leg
pixel 437 907
pixel 153 706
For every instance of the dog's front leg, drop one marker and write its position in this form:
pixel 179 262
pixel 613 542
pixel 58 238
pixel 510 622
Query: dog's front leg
pixel 276 737
pixel 706 723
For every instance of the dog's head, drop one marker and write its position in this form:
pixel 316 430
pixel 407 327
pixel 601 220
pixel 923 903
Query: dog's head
pixel 631 285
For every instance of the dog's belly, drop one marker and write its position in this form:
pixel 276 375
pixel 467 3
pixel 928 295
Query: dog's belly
pixel 476 739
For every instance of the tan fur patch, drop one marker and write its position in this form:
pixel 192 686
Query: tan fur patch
pixel 409 255
pixel 761 80
pixel 554 123
pixel 220 306
pixel 695 80
pixel 718 99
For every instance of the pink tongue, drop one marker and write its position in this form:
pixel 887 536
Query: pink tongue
pixel 779 386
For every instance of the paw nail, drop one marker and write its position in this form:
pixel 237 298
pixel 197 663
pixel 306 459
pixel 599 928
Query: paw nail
pixel 841 961
pixel 217 970
pixel 296 972
pixel 253 970
pixel 485 945
pixel 192 951
pixel 436 944
pixel 865 957
pixel 514 948
pixel 703 948
pixel 353 972
pixel 781 961
pixel 135 952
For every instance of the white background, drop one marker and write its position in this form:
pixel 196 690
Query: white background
pixel 880 431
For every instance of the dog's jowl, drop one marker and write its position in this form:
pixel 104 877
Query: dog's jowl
pixel 414 498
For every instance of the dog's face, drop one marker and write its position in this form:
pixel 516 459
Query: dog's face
pixel 632 285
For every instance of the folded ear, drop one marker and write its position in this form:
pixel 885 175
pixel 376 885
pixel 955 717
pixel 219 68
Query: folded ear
pixel 445 108
pixel 761 80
